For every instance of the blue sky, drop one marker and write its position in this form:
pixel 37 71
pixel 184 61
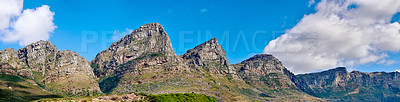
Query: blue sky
pixel 243 28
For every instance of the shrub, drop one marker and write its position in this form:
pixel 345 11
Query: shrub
pixel 179 97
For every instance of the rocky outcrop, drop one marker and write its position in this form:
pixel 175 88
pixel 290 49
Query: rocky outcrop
pixel 267 74
pixel 9 56
pixel 147 50
pixel 210 56
pixel 264 71
pixel 147 41
pixel 11 64
pixel 61 72
pixel 144 61
pixel 338 84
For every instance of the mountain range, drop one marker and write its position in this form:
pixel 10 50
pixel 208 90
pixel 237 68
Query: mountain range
pixel 145 62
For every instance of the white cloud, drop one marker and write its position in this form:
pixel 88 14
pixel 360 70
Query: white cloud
pixel 340 35
pixel 9 9
pixel 119 34
pixel 390 62
pixel 27 26
pixel 386 62
pixel 397 70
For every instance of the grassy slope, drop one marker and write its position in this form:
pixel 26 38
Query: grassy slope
pixel 15 88
pixel 155 79
pixel 186 82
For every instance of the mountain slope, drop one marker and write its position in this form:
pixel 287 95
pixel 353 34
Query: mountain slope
pixel 144 61
pixel 146 50
pixel 267 74
pixel 339 85
pixel 211 57
pixel 14 87
pixel 148 41
pixel 60 72
pixel 266 71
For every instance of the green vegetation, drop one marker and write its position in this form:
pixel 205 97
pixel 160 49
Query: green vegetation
pixel 179 97
pixel 271 79
pixel 38 78
pixel 21 96
pixel 17 89
pixel 109 83
pixel 94 66
pixel 11 78
pixel 155 54
pixel 247 92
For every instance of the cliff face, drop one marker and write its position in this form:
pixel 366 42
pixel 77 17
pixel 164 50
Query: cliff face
pixel 144 61
pixel 149 42
pixel 209 56
pixel 338 84
pixel 12 64
pixel 61 72
pixel 147 50
pixel 267 74
pixel 264 71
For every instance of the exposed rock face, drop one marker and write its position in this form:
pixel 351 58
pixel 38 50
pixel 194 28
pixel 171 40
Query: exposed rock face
pixel 267 74
pixel 11 64
pixel 264 71
pixel 149 39
pixel 338 84
pixel 146 50
pixel 144 61
pixel 62 72
pixel 209 56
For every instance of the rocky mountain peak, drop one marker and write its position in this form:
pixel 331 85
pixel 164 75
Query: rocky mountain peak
pixel 40 44
pixel 9 56
pixel 262 57
pixel 338 69
pixel 148 40
pixel 152 34
pixel 268 59
pixel 213 40
pixel 209 56
pixel 52 68
pixel 9 50
pixel 264 69
pixel 340 84
pixel 36 54
pixel 211 44
pixel 147 30
pixel 152 26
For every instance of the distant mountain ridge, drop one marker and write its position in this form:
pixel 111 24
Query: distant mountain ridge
pixel 339 85
pixel 144 61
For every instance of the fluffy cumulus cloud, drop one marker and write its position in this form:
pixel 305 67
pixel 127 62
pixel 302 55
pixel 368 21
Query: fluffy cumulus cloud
pixel 24 26
pixel 340 33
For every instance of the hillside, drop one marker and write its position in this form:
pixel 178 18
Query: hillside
pixel 145 62
pixel 339 85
